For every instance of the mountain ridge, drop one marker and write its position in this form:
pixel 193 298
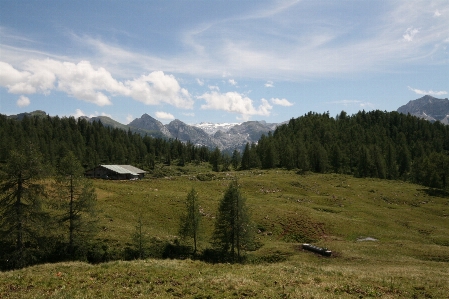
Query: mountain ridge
pixel 429 108
pixel 230 136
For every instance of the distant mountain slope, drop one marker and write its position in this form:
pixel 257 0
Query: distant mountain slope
pixel 211 128
pixel 248 132
pixel 429 108
pixel 109 122
pixel 20 116
pixel 195 135
pixel 148 123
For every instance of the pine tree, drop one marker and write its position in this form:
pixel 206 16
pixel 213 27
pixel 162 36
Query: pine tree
pixel 77 202
pixel 232 233
pixel 22 217
pixel 190 220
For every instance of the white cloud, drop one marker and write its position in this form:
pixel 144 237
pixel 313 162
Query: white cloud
pixel 191 114
pixel 234 102
pixel 129 118
pixel 100 114
pixel 281 102
pixel 410 34
pixel 430 92
pixel 156 88
pixel 78 113
pixel 23 101
pixel 214 87
pixel 232 82
pixel 437 13
pixel 164 115
pixel 200 82
pixel 84 82
pixel 269 84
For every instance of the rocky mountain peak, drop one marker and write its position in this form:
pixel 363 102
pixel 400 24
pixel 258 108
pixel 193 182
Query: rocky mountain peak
pixel 428 107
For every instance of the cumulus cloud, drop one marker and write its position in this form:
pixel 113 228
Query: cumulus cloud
pixel 214 87
pixel 234 102
pixel 430 92
pixel 129 118
pixel 269 84
pixel 164 115
pixel 410 34
pixel 281 102
pixel 94 85
pixel 232 82
pixel 437 13
pixel 78 113
pixel 156 88
pixel 23 101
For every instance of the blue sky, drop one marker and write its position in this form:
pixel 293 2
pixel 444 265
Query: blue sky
pixel 220 61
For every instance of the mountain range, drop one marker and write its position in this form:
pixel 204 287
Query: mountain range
pixel 230 136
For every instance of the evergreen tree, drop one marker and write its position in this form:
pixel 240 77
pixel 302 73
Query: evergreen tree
pixel 190 220
pixel 215 159
pixel 140 241
pixel 22 217
pixel 235 160
pixel 77 202
pixel 246 158
pixel 232 234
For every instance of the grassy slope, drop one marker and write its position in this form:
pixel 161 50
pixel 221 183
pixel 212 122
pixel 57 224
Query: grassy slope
pixel 409 259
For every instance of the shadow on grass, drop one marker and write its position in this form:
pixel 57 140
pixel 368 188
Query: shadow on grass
pixel 435 192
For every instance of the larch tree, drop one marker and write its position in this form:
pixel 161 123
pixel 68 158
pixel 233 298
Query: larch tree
pixel 190 220
pixel 22 216
pixel 77 202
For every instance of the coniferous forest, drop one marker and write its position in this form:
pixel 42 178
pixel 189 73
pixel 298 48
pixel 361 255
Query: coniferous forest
pixel 385 145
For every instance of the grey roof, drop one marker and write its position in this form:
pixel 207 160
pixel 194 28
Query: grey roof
pixel 133 169
pixel 123 169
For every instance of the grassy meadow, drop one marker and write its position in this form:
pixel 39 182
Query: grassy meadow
pixel 409 257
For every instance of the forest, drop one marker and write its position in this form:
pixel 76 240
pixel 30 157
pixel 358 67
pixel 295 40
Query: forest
pixel 386 145
pixel 48 209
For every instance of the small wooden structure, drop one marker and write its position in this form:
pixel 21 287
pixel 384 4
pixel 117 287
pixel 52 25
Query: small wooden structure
pixel 316 249
pixel 116 172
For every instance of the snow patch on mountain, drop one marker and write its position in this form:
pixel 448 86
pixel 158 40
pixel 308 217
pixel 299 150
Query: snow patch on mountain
pixel 212 128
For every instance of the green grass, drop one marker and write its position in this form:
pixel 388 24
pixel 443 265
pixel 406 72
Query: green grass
pixel 409 260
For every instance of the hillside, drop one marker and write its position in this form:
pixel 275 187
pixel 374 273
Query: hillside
pixel 389 239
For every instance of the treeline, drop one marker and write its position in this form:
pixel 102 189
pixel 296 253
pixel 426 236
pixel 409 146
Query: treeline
pixel 92 143
pixel 386 145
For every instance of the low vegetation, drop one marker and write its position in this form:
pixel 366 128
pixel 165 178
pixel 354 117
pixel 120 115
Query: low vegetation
pixel 388 238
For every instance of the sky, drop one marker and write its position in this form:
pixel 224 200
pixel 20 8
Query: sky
pixel 220 61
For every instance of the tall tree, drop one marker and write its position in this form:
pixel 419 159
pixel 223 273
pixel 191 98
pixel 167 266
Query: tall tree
pixel 139 239
pixel 77 201
pixel 22 217
pixel 235 160
pixel 215 159
pixel 190 220
pixel 232 233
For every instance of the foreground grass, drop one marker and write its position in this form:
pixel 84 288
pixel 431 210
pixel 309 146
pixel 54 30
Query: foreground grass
pixel 316 278
pixel 410 258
